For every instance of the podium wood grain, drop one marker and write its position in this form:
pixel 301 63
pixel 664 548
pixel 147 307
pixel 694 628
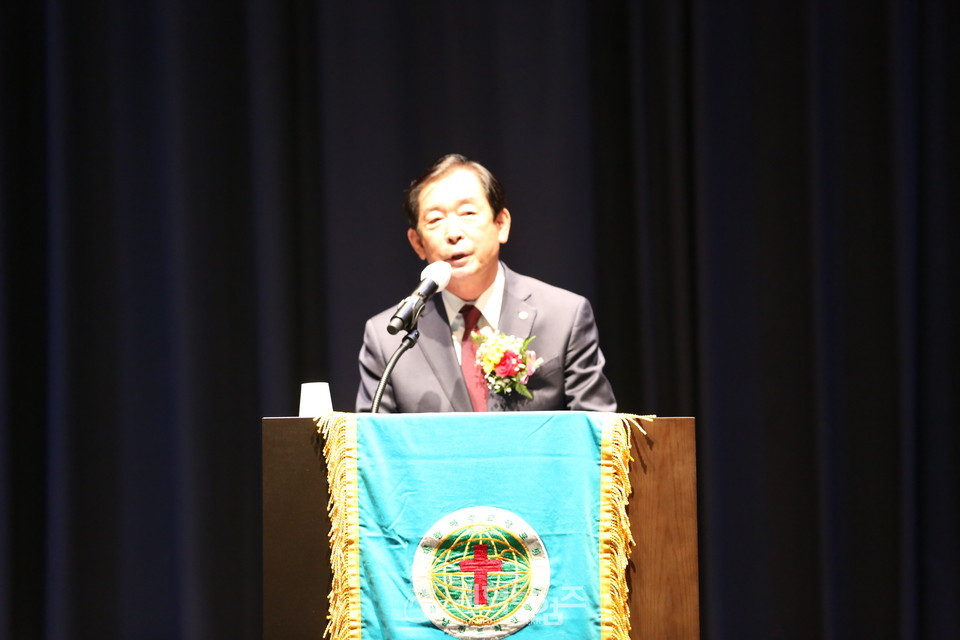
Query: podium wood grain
pixel 663 570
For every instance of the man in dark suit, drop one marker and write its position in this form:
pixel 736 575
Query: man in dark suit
pixel 457 214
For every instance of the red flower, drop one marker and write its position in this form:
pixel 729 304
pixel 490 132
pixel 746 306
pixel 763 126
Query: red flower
pixel 509 365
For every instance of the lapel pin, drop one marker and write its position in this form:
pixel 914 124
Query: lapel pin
pixel 523 315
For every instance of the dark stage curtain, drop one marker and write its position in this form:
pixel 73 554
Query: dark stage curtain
pixel 200 204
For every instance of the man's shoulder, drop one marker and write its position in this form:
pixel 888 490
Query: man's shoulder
pixel 522 285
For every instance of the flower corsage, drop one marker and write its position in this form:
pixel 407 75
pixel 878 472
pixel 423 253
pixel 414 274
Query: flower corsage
pixel 506 362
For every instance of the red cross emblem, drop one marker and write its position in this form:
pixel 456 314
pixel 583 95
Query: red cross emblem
pixel 480 566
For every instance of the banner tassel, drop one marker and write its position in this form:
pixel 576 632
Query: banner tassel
pixel 615 536
pixel 339 431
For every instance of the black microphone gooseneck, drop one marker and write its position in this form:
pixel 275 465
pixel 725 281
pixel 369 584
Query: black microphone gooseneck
pixel 408 341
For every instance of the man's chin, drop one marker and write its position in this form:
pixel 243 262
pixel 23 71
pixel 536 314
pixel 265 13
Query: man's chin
pixel 460 282
pixel 457 284
pixel 461 270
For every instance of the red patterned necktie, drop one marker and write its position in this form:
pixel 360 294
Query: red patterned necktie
pixel 472 374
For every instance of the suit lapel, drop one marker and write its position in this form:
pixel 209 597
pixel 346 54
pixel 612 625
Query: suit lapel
pixel 438 351
pixel 517 313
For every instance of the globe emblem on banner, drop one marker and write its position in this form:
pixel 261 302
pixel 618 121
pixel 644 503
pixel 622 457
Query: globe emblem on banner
pixel 481 572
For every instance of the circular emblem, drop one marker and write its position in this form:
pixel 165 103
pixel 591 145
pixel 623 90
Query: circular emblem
pixel 481 572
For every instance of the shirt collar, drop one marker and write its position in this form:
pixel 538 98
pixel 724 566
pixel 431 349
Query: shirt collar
pixel 489 302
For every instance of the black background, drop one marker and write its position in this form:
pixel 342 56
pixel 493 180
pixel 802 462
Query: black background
pixel 201 204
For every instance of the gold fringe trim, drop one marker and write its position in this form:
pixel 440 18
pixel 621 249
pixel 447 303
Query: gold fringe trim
pixel 615 536
pixel 339 431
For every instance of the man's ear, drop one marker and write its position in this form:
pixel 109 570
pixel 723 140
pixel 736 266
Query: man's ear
pixel 415 242
pixel 503 225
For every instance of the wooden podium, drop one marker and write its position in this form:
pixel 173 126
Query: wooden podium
pixel 662 573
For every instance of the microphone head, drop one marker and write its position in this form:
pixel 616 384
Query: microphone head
pixel 438 272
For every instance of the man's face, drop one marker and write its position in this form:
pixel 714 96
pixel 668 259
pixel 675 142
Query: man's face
pixel 457 225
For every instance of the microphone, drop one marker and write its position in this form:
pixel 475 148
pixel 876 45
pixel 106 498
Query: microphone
pixel 435 277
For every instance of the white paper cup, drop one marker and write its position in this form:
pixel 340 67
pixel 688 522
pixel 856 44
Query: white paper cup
pixel 315 399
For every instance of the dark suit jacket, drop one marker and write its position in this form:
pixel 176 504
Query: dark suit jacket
pixel 427 378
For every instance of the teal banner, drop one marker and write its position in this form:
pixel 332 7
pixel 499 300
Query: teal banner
pixel 479 525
